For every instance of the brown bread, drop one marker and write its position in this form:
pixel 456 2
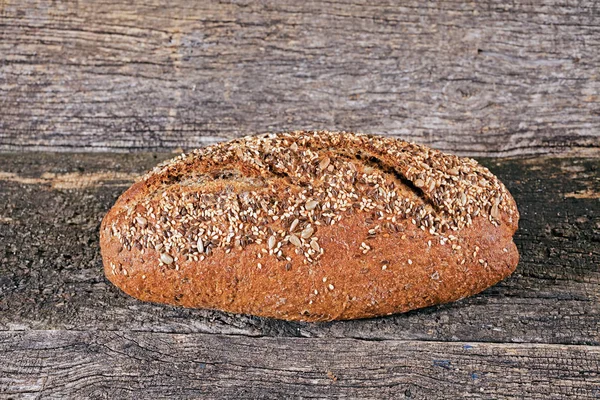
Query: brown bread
pixel 311 226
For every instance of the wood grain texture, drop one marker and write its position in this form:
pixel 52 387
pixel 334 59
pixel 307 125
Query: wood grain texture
pixel 109 365
pixel 51 273
pixel 478 78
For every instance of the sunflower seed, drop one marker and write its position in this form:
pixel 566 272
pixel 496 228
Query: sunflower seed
pixel 295 241
pixel 165 258
pixel 294 224
pixel 432 185
pixel 311 205
pixel 271 242
pixel 141 221
pixel 495 212
pixel 307 232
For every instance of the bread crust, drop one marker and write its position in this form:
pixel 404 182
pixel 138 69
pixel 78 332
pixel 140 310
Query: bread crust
pixel 407 247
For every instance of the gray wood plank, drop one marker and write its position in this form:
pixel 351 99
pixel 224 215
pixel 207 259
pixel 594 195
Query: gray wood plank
pixel 51 274
pixel 109 365
pixel 479 78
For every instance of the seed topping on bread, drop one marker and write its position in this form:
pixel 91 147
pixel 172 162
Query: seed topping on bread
pixel 275 191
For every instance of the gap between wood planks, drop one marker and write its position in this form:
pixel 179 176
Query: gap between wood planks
pixel 240 336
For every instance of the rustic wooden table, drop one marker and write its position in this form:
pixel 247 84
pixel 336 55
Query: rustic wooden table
pixel 93 94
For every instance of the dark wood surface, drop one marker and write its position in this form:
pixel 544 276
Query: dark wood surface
pixel 67 332
pixel 111 365
pixel 487 78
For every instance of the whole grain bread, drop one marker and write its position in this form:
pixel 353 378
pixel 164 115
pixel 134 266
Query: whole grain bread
pixel 311 226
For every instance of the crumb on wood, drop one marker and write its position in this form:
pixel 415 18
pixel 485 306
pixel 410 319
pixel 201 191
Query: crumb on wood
pixel 332 376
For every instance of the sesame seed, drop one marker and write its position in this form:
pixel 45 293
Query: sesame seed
pixel 409 261
pixel 331 287
pixel 383 267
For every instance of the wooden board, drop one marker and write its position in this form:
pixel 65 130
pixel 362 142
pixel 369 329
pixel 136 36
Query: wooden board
pixel 111 365
pixel 51 274
pixel 481 78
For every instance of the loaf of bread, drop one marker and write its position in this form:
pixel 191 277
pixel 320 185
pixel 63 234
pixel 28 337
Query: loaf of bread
pixel 311 226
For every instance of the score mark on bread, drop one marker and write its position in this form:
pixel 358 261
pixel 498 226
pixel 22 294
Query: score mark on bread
pixel 311 226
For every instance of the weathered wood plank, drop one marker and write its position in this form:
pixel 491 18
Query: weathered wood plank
pixel 479 78
pixel 51 275
pixel 109 365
